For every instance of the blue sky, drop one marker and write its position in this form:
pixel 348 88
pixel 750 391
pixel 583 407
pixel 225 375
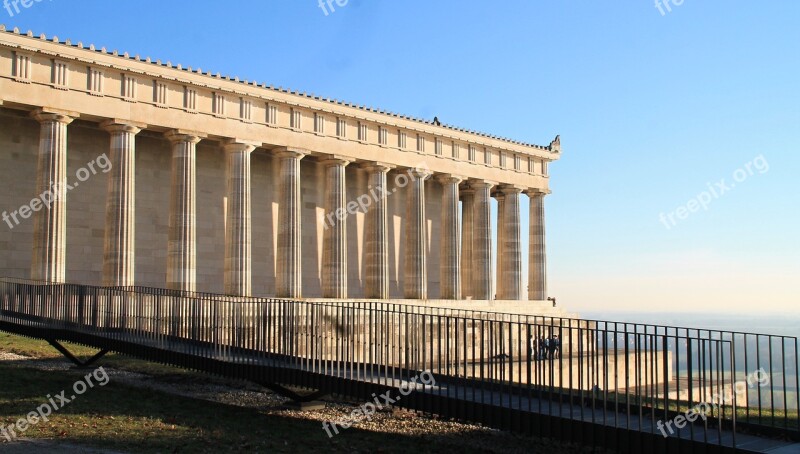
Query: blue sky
pixel 651 108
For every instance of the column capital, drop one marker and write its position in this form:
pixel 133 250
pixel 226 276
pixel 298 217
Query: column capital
pixel 334 160
pixel 481 184
pixel 376 166
pixel 449 178
pixel 417 172
pixel 236 146
pixel 511 189
pixel 182 135
pixel 46 114
pixel 466 188
pixel 114 125
pixel 537 192
pixel 290 152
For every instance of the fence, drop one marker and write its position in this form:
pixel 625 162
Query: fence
pixel 619 375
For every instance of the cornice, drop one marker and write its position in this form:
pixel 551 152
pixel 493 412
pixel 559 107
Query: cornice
pixel 91 55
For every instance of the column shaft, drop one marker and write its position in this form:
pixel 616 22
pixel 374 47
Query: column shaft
pixel 450 256
pixel 289 275
pixel 537 259
pixel 238 221
pixel 416 269
pixel 512 246
pixel 119 256
pixel 377 247
pixel 482 286
pixel 500 259
pixel 334 256
pixel 182 247
pixel 50 223
pixel 467 229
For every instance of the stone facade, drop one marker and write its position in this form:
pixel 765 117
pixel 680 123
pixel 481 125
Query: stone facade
pixel 220 185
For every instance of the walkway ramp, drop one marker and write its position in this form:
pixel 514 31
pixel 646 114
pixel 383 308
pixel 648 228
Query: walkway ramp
pixel 607 384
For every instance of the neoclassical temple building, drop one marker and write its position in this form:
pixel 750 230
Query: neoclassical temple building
pixel 118 170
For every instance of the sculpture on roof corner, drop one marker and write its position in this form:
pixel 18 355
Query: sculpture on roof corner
pixel 555 145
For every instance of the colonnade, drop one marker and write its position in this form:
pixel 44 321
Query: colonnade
pixel 466 262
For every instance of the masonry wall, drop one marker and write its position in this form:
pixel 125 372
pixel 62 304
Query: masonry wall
pixel 19 142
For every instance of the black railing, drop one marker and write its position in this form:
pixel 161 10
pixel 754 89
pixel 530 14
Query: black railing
pixel 616 375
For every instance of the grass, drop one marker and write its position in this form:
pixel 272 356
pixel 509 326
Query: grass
pixel 124 418
pixel 40 349
pixel 778 418
pixel 120 417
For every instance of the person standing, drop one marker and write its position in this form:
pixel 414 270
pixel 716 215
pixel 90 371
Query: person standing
pixel 556 348
pixel 543 348
pixel 533 352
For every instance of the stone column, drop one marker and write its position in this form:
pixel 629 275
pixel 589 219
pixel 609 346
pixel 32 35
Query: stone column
pixel 50 222
pixel 182 247
pixel 482 285
pixel 238 220
pixel 334 254
pixel 501 230
pixel 416 267
pixel 537 260
pixel 289 278
pixel 511 255
pixel 377 244
pixel 450 271
pixel 119 255
pixel 467 203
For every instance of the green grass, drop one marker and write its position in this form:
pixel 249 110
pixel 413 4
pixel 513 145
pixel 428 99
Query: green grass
pixel 40 349
pixel 124 418
pixel 36 348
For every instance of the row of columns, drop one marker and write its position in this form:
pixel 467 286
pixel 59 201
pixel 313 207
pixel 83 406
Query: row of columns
pixel 465 244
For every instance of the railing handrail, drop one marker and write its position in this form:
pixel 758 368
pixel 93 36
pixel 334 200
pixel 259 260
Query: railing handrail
pixel 544 318
pixel 625 362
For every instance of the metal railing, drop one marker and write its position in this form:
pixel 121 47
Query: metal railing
pixel 629 376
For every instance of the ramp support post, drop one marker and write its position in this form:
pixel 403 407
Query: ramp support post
pixel 63 350
pixel 299 402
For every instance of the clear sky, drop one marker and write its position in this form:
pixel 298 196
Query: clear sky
pixel 655 108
